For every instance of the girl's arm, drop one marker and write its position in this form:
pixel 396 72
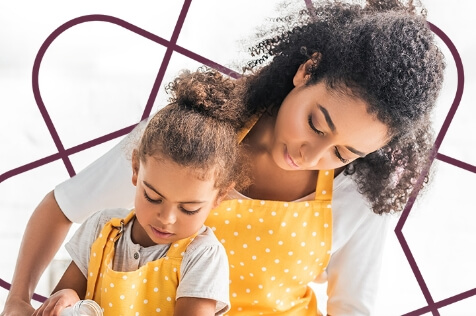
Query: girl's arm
pixel 70 289
pixel 205 277
pixel 73 279
pixel 193 306
pixel 44 234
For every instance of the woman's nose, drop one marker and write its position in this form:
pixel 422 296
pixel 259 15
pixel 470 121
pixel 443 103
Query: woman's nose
pixel 312 153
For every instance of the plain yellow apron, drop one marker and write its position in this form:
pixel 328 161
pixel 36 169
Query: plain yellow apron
pixel 149 290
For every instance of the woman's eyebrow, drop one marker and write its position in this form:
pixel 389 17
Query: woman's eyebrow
pixel 329 121
pixel 355 151
pixel 332 127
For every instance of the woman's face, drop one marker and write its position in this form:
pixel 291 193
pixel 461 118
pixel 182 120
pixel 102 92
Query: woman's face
pixel 317 129
pixel 171 202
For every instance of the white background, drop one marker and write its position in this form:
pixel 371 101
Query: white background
pixel 96 77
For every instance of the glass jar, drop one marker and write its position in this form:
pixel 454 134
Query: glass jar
pixel 83 308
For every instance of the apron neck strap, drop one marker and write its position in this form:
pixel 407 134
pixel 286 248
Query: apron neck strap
pixel 177 249
pixel 324 186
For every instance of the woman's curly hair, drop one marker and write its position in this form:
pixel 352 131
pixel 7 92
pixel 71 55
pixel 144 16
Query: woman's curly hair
pixel 198 128
pixel 386 54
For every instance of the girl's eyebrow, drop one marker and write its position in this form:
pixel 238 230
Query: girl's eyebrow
pixel 163 196
pixel 153 189
pixel 332 127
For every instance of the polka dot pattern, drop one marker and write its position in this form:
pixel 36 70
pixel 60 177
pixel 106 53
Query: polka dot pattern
pixel 275 249
pixel 117 291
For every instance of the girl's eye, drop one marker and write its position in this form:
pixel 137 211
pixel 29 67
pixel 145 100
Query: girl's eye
pixel 318 132
pixel 337 153
pixel 189 212
pixel 158 201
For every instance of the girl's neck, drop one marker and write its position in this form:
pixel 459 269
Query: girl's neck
pixel 139 235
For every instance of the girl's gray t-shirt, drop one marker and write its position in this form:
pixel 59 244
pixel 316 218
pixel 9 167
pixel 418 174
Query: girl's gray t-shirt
pixel 204 270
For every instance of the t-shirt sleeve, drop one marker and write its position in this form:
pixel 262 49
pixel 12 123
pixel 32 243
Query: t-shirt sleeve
pixel 104 184
pixel 79 246
pixel 205 274
pixel 353 272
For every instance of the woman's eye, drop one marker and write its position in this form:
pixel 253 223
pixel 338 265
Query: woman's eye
pixel 189 212
pixel 309 119
pixel 337 153
pixel 336 150
pixel 158 201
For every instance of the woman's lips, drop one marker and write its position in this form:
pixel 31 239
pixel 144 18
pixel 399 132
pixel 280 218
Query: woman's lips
pixel 290 160
pixel 161 233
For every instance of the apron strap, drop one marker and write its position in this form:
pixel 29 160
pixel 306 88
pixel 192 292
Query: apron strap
pixel 248 126
pixel 324 186
pixel 102 247
pixel 177 249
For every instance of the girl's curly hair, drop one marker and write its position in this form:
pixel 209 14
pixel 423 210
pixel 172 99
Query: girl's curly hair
pixel 386 54
pixel 198 128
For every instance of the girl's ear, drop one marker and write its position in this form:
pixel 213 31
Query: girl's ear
pixel 302 75
pixel 135 166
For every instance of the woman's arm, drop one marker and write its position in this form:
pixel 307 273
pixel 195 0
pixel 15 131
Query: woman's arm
pixel 358 243
pixel 354 270
pixel 106 183
pixel 47 226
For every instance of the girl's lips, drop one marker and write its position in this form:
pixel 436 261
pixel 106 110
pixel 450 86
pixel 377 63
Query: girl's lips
pixel 161 233
pixel 289 160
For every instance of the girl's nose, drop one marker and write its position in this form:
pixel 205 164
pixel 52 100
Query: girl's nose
pixel 167 215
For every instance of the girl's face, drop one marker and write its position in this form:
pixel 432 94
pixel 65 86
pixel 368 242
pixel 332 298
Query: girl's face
pixel 171 203
pixel 318 129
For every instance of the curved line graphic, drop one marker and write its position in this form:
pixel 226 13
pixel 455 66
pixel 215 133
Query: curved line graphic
pixel 439 139
pixel 64 153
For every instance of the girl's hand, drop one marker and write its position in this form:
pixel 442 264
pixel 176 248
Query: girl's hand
pixel 57 302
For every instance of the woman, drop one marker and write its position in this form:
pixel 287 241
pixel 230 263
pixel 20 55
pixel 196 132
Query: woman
pixel 344 102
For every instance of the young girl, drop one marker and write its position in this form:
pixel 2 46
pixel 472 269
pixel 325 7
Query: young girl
pixel 160 257
pixel 337 107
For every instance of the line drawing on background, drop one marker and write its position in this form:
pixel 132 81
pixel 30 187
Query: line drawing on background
pixel 171 47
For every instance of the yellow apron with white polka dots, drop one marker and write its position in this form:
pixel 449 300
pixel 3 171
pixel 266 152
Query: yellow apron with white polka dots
pixel 149 290
pixel 275 249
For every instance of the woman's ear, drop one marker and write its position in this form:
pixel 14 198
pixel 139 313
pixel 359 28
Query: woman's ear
pixel 135 166
pixel 303 73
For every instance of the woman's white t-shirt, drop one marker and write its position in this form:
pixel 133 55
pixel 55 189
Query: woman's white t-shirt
pixel 358 234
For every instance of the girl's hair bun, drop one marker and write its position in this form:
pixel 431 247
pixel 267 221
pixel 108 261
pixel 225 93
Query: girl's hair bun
pixel 208 92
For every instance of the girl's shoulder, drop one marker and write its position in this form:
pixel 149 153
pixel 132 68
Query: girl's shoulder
pixel 205 251
pixel 205 241
pixel 106 215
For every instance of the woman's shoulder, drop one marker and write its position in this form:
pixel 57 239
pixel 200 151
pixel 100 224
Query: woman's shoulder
pixel 345 190
pixel 352 213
